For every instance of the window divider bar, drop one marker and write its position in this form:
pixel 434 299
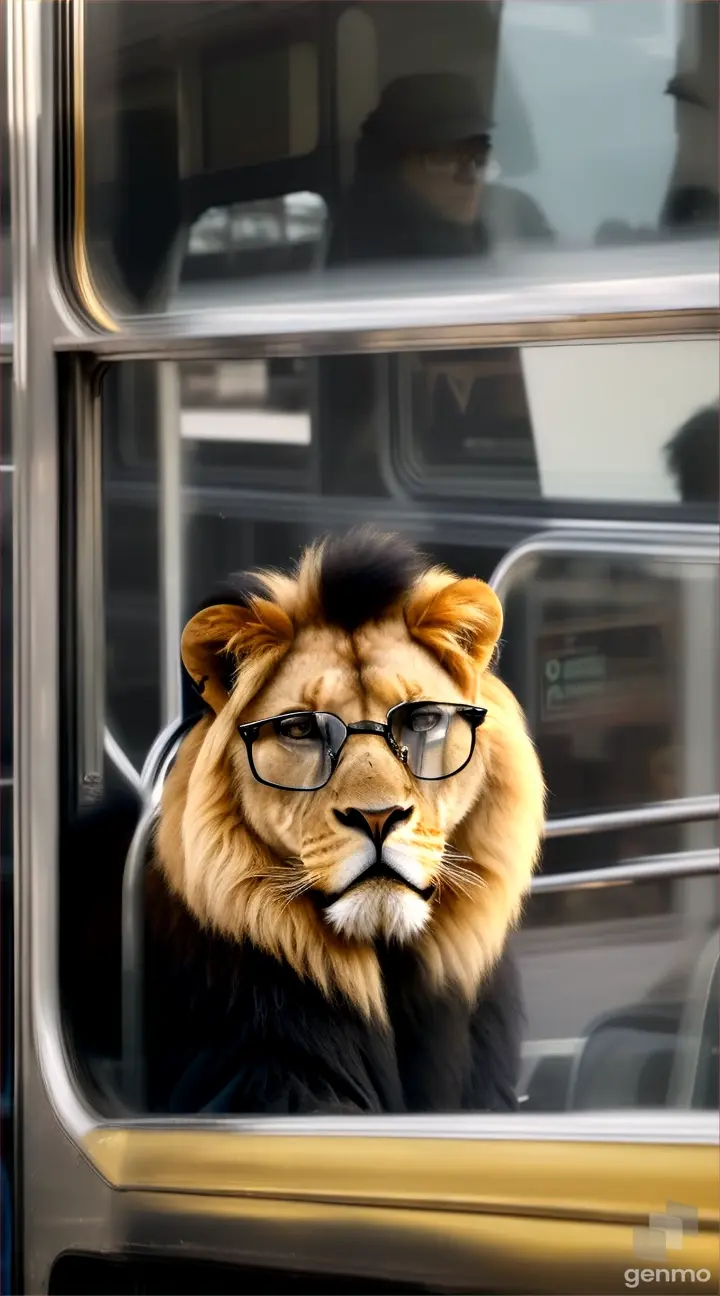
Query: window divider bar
pixel 560 296
pixel 246 335
pixel 682 810
pixel 681 864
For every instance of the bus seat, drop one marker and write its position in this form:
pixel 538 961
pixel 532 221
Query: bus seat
pixel 626 1060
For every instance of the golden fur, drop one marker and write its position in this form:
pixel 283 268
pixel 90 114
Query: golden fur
pixel 243 856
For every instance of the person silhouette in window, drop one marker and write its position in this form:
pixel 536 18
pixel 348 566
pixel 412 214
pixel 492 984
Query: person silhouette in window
pixel 693 457
pixel 420 187
pixel 691 206
pixel 420 192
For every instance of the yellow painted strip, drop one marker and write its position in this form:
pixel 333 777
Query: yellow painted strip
pixel 456 1251
pixel 618 1181
pixel 85 286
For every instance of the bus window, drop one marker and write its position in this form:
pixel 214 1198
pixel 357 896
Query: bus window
pixel 7 935
pixel 614 993
pixel 614 656
pixel 625 424
pixel 6 477
pixel 7 1013
pixel 389 134
pixel 274 451
pixel 706 1076
pixel 612 653
pixel 254 415
pixel 276 235
pixel 279 269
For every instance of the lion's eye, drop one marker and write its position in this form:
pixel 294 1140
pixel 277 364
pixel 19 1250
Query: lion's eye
pixel 298 728
pixel 425 721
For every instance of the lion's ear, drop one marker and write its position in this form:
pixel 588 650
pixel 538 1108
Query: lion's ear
pixel 218 638
pixel 458 620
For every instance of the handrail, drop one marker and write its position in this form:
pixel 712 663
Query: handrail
pixel 680 864
pixel 157 766
pixel 674 541
pixel 121 760
pixel 683 810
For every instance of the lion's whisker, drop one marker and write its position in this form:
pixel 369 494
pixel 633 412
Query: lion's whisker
pixel 457 877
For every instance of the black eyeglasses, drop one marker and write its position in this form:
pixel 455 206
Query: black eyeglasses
pixel 299 750
pixel 461 157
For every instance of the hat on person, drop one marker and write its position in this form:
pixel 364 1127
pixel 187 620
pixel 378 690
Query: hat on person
pixel 427 110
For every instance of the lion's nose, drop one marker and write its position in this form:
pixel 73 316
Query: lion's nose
pixel 377 824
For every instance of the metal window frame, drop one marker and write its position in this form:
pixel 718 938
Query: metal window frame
pixel 55 327
pixel 652 292
pixel 277 1188
pixel 444 311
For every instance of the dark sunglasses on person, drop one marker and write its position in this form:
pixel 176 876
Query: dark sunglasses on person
pixel 459 158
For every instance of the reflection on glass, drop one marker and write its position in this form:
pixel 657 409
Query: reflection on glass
pixel 613 654
pixel 620 1002
pixel 247 424
pixel 626 422
pixel 255 402
pixel 693 457
pixel 614 657
pixel 274 452
pixel 6 272
pixel 247 239
pixel 6 588
pixel 261 140
pixel 420 186
pixel 7 925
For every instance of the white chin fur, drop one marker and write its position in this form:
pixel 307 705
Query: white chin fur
pixel 378 910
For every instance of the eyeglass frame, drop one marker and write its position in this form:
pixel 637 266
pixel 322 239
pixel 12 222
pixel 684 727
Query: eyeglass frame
pixel 474 715
pixel 477 158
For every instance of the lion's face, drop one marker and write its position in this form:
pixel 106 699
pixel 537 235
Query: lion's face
pixel 367 850
pixel 373 845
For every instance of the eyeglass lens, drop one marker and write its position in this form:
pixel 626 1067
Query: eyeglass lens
pixel 298 751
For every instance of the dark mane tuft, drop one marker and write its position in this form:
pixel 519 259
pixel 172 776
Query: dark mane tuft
pixel 362 574
pixel 237 590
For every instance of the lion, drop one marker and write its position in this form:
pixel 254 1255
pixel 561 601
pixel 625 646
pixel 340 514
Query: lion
pixel 345 841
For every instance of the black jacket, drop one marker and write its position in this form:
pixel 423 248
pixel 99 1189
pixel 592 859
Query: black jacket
pixel 381 220
pixel 232 1030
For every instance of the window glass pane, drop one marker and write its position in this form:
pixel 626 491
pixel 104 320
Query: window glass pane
pixel 252 419
pixel 6 814
pixel 250 239
pixel 6 588
pixel 6 797
pixel 326 136
pixel 614 657
pixel 615 982
pixel 5 259
pixel 622 423
pixel 284 80
pixel 131 542
pixel 272 452
pixel 612 654
pixel 575 430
